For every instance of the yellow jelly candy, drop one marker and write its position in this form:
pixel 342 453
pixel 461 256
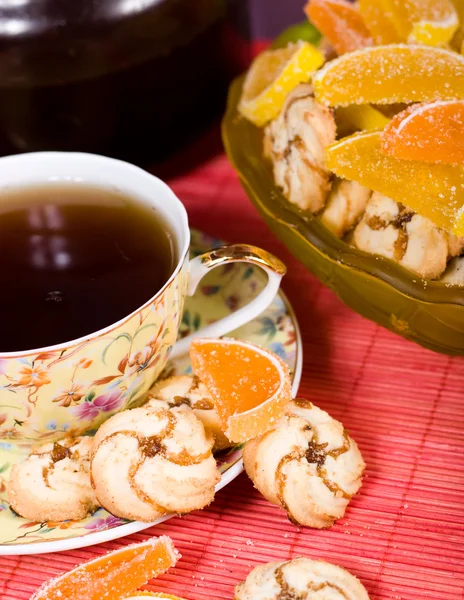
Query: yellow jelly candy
pixel 378 22
pixel 359 117
pixel 390 74
pixel 433 190
pixel 431 22
pixel 272 76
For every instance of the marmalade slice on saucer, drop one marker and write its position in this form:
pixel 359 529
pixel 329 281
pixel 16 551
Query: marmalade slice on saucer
pixel 433 190
pixel 113 575
pixel 340 22
pixel 391 74
pixel 250 386
pixel 431 132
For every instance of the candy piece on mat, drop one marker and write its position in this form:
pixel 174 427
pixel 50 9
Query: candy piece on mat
pixel 250 386
pixel 341 24
pixel 431 132
pixel 431 22
pixel 382 29
pixel 391 74
pixel 435 191
pixel 359 117
pixel 272 76
pixel 113 575
pixel 141 595
pixel 300 578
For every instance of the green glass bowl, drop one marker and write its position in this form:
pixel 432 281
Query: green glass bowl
pixel 427 312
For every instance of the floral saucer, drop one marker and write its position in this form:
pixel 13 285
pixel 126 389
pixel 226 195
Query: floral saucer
pixel 221 292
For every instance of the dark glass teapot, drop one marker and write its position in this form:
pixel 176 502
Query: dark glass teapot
pixel 129 78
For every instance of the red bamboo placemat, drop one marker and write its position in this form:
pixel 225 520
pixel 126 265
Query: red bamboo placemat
pixel 403 535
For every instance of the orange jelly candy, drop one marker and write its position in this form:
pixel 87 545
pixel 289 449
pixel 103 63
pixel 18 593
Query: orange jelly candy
pixel 141 595
pixel 391 74
pixel 341 24
pixel 378 23
pixel 429 132
pixel 114 575
pixel 433 190
pixel 249 385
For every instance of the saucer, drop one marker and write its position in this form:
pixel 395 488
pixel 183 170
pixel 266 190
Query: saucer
pixel 221 292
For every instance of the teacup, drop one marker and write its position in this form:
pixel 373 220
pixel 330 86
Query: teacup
pixel 72 387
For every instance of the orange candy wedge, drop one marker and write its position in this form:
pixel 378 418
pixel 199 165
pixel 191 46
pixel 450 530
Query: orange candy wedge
pixel 434 191
pixel 391 74
pixel 378 23
pixel 249 385
pixel 429 132
pixel 113 575
pixel 341 24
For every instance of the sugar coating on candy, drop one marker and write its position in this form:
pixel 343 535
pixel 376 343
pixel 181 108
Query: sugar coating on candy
pixel 379 24
pixel 249 385
pixel 432 132
pixel 391 74
pixel 114 575
pixel 341 24
pixel 423 21
pixel 435 191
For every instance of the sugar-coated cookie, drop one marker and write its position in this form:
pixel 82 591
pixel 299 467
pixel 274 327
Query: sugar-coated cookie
pixel 300 579
pixel 189 390
pixel 148 462
pixel 307 464
pixel 53 483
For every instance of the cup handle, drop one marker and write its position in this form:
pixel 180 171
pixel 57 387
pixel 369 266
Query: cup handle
pixel 204 263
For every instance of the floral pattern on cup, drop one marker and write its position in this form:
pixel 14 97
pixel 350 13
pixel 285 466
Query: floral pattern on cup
pixel 47 395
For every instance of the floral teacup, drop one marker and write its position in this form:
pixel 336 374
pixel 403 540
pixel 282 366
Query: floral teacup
pixel 72 387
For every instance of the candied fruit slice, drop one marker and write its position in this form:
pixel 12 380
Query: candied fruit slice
pixel 391 74
pixel 378 22
pixel 431 22
pixel 249 385
pixel 113 575
pixel 435 191
pixel 359 117
pixel 141 595
pixel 430 132
pixel 272 76
pixel 341 23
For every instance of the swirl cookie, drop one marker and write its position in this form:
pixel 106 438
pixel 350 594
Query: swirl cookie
pixel 308 465
pixel 148 462
pixel 53 483
pixel 300 579
pixel 184 389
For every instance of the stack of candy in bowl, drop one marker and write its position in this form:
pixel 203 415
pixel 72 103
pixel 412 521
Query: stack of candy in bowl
pixel 365 129
pixel 158 458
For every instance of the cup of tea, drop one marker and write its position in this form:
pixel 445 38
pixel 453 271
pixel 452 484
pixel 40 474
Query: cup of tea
pixel 94 271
